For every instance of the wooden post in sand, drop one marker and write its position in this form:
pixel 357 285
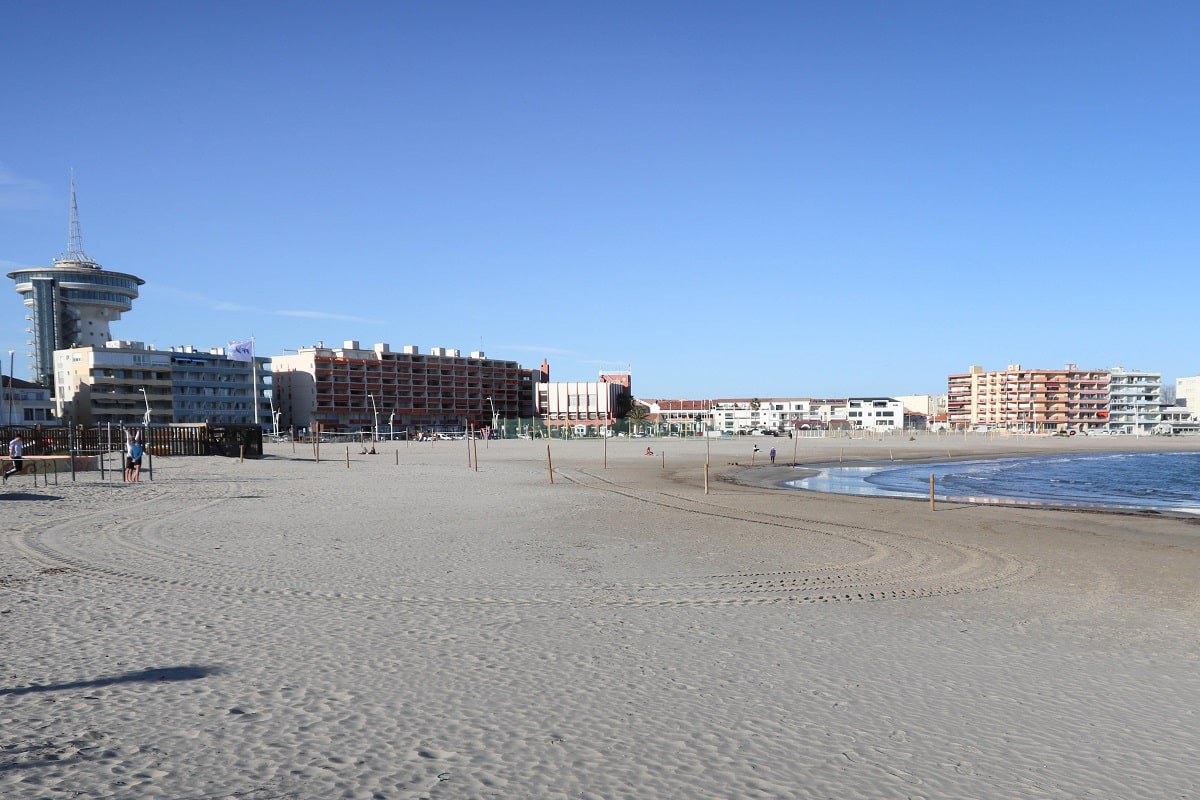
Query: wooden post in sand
pixel 549 463
pixel 475 447
pixel 241 454
pixel 347 456
pixel 397 456
pixel 664 459
pixel 706 478
pixel 468 428
pixel 931 505
pixel 604 436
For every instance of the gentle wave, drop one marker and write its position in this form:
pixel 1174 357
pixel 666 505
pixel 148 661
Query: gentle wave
pixel 1167 481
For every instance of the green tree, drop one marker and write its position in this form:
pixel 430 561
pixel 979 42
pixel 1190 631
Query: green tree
pixel 637 416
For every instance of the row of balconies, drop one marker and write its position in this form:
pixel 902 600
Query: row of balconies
pixel 416 369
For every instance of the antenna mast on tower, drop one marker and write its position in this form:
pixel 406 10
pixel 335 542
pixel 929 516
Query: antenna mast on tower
pixel 75 251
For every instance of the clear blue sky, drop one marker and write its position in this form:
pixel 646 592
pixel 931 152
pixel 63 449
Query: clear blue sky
pixel 734 199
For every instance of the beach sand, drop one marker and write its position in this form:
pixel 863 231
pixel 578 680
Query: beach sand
pixel 414 625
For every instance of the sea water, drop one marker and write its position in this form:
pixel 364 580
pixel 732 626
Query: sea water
pixel 1114 480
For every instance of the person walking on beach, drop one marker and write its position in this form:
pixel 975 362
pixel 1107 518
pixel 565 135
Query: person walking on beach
pixel 133 462
pixel 772 455
pixel 16 452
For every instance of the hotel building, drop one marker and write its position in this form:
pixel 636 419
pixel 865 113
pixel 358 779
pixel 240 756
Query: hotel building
pixel 350 388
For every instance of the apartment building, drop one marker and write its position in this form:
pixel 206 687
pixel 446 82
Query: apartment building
pixel 127 382
pixel 875 413
pixel 23 403
pixel 209 387
pixel 1033 400
pixel 744 415
pixel 1187 393
pixel 351 388
pixel 779 414
pixel 1134 401
pixel 119 383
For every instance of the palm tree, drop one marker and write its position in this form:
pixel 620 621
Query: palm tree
pixel 637 415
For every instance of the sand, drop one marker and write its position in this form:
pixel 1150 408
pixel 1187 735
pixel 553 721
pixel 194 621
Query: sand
pixel 412 626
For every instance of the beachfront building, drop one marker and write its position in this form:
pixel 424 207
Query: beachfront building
pixel 24 403
pixel 1134 401
pixel 740 416
pixel 1187 393
pixel 680 417
pixel 1028 400
pixel 924 411
pixel 124 382
pixel 71 303
pixel 584 408
pixel 1178 420
pixel 875 413
pixel 210 387
pixel 119 382
pixel 352 389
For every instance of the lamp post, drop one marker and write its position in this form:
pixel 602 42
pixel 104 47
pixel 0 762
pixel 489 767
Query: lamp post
pixel 375 418
pixel 392 425
pixel 146 421
pixel 494 418
pixel 10 385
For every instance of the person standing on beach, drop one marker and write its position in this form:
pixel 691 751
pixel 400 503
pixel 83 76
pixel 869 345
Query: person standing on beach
pixel 16 452
pixel 133 462
pixel 772 455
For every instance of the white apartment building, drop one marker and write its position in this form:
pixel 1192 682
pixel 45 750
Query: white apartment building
pixel 875 413
pixel 1187 392
pixel 1134 401
pixel 780 414
pixel 23 403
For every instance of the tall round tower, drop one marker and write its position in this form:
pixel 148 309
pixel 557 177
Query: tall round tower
pixel 72 302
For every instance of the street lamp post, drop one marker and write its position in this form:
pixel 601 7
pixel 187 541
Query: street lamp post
pixel 10 385
pixel 392 425
pixel 146 420
pixel 494 417
pixel 375 418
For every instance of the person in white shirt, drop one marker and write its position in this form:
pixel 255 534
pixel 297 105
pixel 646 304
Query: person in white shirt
pixel 16 452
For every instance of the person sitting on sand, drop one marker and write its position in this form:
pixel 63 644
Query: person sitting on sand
pixel 649 452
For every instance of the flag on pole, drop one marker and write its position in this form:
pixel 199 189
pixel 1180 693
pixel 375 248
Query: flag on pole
pixel 241 351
